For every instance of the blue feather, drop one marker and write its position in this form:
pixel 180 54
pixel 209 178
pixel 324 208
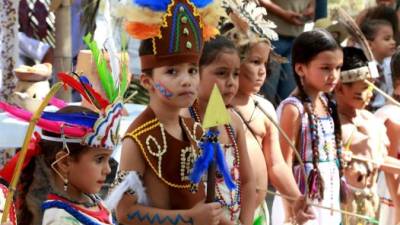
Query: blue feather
pixel 155 5
pixel 223 168
pixel 203 162
pixel 84 80
pixel 82 119
pixel 201 3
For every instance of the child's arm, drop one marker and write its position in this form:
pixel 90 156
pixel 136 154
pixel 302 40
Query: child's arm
pixel 290 121
pixel 128 211
pixel 247 179
pixel 279 172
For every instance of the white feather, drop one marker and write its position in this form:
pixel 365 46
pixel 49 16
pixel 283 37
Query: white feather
pixel 131 182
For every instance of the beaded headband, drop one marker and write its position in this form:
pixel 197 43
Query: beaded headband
pixel 361 73
pixel 176 28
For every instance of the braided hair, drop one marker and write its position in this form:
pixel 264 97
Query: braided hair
pixel 305 48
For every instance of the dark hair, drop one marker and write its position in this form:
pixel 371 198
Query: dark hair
pixel 370 27
pixel 146 48
pixel 213 47
pixel 305 48
pixel 395 66
pixel 353 58
pixel 35 181
pixel 385 13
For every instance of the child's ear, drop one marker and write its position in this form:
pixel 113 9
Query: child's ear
pixel 63 162
pixel 146 81
pixel 299 68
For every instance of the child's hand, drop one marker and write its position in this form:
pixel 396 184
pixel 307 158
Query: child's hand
pixel 302 211
pixel 225 221
pixel 206 213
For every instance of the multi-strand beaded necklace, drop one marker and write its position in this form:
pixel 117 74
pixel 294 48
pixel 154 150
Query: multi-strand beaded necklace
pixel 233 201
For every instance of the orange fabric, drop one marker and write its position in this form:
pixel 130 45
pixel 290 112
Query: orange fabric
pixel 142 31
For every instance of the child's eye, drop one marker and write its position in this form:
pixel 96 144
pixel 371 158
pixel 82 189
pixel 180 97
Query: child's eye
pixel 220 73
pixel 257 62
pixel 100 159
pixel 193 71
pixel 172 71
pixel 236 73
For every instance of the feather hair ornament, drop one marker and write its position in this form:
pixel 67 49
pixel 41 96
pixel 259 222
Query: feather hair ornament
pixel 341 16
pixel 362 73
pixel 250 23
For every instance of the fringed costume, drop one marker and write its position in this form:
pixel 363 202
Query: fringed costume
pixel 177 30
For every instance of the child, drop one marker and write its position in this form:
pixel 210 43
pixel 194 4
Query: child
pixel 389 114
pixel 68 163
pixel 309 119
pixel 159 147
pixel 219 64
pixel 379 34
pixel 363 134
pixel 262 136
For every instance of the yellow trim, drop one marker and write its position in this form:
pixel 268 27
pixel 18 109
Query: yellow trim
pixel 149 125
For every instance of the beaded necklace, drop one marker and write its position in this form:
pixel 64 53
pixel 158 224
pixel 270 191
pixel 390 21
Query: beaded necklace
pixel 94 200
pixel 234 205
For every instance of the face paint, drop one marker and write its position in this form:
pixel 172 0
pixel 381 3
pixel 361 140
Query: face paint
pixel 163 90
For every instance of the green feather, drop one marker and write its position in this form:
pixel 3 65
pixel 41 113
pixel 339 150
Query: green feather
pixel 106 78
pixel 259 221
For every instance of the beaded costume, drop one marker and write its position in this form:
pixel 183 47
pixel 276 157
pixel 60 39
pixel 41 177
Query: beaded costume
pixel 230 199
pixel 327 164
pixel 250 26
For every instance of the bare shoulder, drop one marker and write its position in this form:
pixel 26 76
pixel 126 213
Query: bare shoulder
pixel 265 105
pixel 236 121
pixel 131 157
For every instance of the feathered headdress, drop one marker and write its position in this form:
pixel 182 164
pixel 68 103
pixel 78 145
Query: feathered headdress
pixel 97 129
pixel 250 23
pixel 362 73
pixel 177 28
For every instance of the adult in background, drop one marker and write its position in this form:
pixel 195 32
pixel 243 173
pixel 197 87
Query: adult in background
pixel 290 17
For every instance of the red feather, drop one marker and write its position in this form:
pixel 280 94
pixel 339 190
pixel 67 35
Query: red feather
pixel 67 79
pixel 103 102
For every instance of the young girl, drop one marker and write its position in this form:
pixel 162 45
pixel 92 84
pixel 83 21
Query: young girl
pixel 262 136
pixel 220 65
pixel 67 165
pixel 310 120
pixel 159 148
pixel 380 36
pixel 389 190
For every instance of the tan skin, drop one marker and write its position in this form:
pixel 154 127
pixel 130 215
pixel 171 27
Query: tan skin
pixel 223 72
pixel 264 148
pixel 320 75
pixel 367 133
pixel 183 80
pixel 86 173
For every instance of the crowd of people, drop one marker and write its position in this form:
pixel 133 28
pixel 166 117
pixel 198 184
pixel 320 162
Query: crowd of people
pixel 310 113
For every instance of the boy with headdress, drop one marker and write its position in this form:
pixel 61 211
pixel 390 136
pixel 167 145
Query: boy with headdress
pixel 159 148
